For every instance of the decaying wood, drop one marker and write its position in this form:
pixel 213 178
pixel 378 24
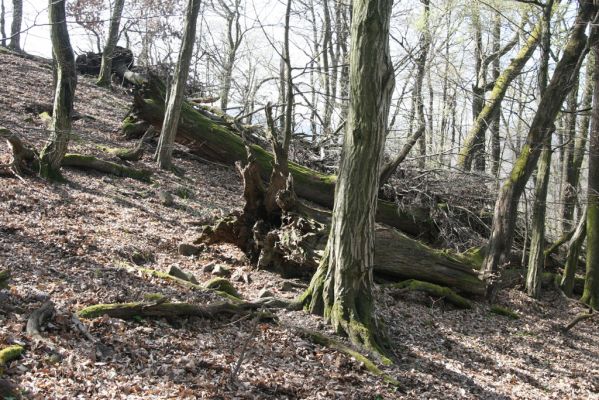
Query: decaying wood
pixel 577 319
pixel 218 142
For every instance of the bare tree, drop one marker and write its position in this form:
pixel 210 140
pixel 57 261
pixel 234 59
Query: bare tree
pixel 113 36
pixel 164 151
pixel 15 27
pixel 66 82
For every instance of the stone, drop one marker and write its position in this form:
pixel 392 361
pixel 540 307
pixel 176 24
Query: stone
pixel 166 198
pixel 220 270
pixel 188 249
pixel 265 293
pixel 178 273
pixel 209 267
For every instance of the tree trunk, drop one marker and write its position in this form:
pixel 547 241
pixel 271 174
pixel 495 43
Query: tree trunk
pixel 590 295
pixel 495 119
pixel 506 207
pixel 341 289
pixel 113 35
pixel 572 175
pixel 164 151
pixel 425 42
pixel 574 246
pixel 3 23
pixel 66 81
pixel 536 258
pixel 501 85
pixel 15 27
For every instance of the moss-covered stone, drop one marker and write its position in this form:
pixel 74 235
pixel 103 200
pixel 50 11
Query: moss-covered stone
pixel 431 289
pixel 504 311
pixel 222 285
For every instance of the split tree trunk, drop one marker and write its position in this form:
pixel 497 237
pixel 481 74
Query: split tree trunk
pixel 506 206
pixel 574 247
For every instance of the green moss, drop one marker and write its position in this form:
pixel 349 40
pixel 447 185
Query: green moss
pixel 4 277
pixel 436 291
pixel 222 285
pixel 10 353
pixel 154 297
pixel 504 311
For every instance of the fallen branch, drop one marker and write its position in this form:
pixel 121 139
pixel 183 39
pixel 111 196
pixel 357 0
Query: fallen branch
pixel 139 309
pixel 433 290
pixel 108 167
pixel 580 317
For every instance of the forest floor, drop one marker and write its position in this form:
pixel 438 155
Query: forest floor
pixel 79 243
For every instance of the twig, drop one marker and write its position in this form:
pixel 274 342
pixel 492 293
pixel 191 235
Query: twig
pixel 235 371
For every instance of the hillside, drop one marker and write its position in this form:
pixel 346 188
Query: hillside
pixel 85 241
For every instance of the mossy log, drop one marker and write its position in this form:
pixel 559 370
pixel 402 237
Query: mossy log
pixel 433 290
pixel 222 285
pixel 504 311
pixel 107 167
pixel 221 143
pixel 10 353
pixel 140 309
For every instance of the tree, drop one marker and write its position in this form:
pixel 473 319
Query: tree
pixel 506 206
pixel 341 289
pixel 3 23
pixel 113 36
pixel 590 295
pixel 164 151
pixel 15 27
pixel 475 137
pixel 536 258
pixel 66 81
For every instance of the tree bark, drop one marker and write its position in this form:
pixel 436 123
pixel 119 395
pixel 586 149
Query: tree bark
pixel 341 289
pixel 113 35
pixel 164 151
pixel 3 23
pixel 536 260
pixel 590 294
pixel 506 207
pixel 501 85
pixel 66 81
pixel 574 247
pixel 15 27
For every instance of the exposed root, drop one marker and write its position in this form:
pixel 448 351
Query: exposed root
pixel 107 167
pixel 327 341
pixel 433 290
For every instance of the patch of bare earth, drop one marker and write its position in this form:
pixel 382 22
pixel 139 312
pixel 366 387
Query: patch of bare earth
pixel 77 244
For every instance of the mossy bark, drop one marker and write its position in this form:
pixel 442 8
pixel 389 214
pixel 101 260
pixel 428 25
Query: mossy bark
pixel 506 206
pixel 483 119
pixel 108 167
pixel 131 310
pixel 220 143
pixel 440 292
pixel 341 289
pixel 66 81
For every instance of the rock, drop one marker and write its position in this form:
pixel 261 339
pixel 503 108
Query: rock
pixel 178 273
pixel 265 293
pixel 188 249
pixel 209 267
pixel 221 270
pixel 241 276
pixel 288 286
pixel 166 198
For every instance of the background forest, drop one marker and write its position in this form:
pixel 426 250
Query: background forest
pixel 299 199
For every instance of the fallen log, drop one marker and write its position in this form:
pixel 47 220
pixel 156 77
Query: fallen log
pixel 140 309
pixel 220 142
